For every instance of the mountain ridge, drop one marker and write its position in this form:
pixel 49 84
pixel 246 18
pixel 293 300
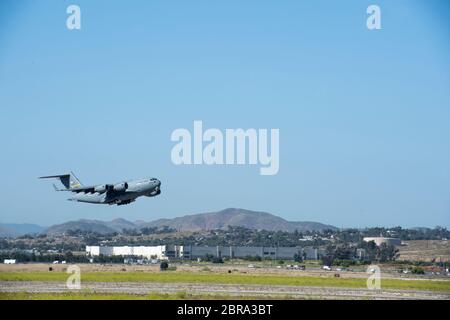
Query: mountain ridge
pixel 237 217
pixel 19 229
pixel 196 222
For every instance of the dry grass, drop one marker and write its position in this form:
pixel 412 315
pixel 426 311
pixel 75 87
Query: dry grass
pixel 425 250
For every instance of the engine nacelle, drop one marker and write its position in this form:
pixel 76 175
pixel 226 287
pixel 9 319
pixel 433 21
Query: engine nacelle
pixel 120 187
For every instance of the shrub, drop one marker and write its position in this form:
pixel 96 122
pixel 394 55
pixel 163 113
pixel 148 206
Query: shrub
pixel 217 260
pixel 417 270
pixel 163 266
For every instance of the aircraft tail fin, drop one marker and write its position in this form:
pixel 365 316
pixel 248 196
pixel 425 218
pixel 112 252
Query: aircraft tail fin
pixel 68 180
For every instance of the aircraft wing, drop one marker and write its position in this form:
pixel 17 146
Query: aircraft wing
pixel 85 189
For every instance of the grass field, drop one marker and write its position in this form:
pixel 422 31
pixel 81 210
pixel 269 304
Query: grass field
pixel 211 278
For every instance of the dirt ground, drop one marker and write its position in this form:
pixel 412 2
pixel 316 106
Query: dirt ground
pixel 425 250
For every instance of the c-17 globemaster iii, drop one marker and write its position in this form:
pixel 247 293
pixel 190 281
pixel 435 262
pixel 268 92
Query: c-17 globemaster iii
pixel 119 193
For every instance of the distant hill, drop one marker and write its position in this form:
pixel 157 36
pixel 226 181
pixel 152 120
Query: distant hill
pixel 196 222
pixel 237 217
pixel 18 229
pixel 120 224
pixel 102 227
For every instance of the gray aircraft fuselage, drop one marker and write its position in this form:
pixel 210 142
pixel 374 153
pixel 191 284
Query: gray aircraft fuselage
pixel 136 188
pixel 120 193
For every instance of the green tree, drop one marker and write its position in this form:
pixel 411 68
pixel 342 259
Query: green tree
pixel 298 257
pixel 327 260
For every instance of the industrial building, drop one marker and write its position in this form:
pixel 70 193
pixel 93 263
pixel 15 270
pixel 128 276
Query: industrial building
pixel 379 240
pixel 194 252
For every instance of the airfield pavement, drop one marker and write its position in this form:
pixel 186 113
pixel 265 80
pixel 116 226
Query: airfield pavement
pixel 131 283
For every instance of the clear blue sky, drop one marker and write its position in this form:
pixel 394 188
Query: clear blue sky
pixel 364 116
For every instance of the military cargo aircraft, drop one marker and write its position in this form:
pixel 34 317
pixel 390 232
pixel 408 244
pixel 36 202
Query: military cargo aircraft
pixel 119 193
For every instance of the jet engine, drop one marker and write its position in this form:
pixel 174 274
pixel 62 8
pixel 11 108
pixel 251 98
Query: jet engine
pixel 120 187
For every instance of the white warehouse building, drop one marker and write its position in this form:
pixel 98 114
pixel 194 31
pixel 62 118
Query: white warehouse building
pixel 143 251
pixel 194 252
